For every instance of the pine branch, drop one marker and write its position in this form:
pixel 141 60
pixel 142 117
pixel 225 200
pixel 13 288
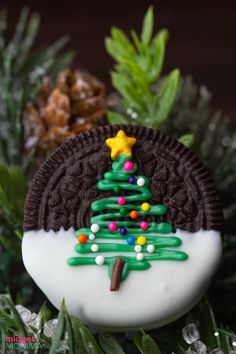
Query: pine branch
pixel 138 67
pixel 212 138
pixel 67 333
pixel 21 72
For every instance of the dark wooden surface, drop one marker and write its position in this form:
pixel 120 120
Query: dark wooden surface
pixel 202 36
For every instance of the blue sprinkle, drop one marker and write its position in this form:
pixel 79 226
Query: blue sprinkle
pixel 131 240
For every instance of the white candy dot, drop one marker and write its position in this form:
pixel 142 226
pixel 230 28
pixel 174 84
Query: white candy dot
pixel 95 228
pixel 150 248
pixel 140 181
pixel 92 237
pixel 138 248
pixel 100 260
pixel 140 256
pixel 94 248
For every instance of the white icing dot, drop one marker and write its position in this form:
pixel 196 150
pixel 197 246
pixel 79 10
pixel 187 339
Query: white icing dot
pixel 94 248
pixel 95 228
pixel 150 248
pixel 138 248
pixel 100 260
pixel 140 256
pixel 92 237
pixel 140 181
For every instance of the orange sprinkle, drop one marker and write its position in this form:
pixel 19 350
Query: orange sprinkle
pixel 133 214
pixel 82 238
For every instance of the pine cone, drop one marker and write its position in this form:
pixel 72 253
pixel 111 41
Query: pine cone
pixel 76 103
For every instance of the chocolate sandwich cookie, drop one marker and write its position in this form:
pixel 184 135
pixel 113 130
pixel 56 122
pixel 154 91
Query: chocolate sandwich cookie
pixel 127 215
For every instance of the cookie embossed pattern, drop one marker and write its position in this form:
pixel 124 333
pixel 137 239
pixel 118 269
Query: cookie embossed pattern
pixel 119 221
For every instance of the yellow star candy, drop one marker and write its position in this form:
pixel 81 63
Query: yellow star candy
pixel 120 144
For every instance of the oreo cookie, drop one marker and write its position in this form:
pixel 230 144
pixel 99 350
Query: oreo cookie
pixel 65 185
pixel 122 214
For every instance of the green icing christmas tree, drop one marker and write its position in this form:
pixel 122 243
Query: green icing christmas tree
pixel 133 242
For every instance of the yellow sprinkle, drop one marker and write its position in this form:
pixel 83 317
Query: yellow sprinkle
pixel 145 206
pixel 141 240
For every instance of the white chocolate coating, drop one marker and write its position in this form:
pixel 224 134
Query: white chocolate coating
pixel 147 299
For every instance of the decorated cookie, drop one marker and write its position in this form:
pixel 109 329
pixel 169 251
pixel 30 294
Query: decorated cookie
pixel 124 223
